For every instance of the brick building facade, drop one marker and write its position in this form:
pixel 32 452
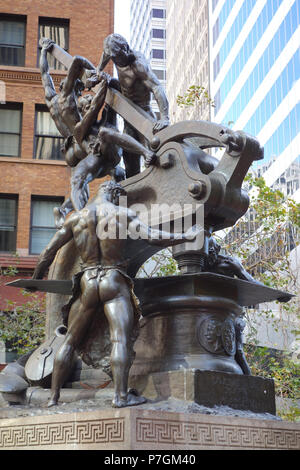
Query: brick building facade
pixel 34 177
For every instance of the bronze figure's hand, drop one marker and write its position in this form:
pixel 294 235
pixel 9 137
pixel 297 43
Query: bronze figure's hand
pixel 160 125
pixel 91 82
pixel 103 76
pixel 46 44
pixel 150 159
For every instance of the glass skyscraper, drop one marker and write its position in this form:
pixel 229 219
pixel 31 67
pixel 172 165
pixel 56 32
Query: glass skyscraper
pixel 148 35
pixel 255 68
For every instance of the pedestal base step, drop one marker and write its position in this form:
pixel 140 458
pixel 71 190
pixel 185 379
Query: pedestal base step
pixel 141 429
pixel 210 388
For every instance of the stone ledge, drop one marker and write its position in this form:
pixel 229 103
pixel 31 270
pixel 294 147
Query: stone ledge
pixel 210 388
pixel 135 428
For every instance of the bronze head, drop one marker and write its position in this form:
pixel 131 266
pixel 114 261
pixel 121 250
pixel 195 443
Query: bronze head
pixel 116 48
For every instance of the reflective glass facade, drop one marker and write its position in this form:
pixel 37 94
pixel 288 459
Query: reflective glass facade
pixel 148 35
pixel 255 74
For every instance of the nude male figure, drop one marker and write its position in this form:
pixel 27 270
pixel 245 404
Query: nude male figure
pixel 101 141
pixel 137 81
pixel 64 110
pixel 104 283
pixel 79 119
pixel 63 106
pixel 226 265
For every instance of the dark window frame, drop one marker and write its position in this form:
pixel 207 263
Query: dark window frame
pixel 43 108
pixel 158 58
pixel 158 31
pixel 163 72
pixel 14 197
pixel 17 107
pixel 156 10
pixel 17 19
pixel 34 197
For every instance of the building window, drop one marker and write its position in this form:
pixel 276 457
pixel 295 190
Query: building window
pixel 158 13
pixel 57 30
pixel 48 140
pixel 10 129
pixel 216 66
pixel 42 223
pixel 161 74
pixel 8 223
pixel 12 40
pixel 158 54
pixel 216 31
pixel 158 33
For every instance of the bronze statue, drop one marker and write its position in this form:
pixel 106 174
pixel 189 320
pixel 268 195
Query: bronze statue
pixel 136 82
pixel 64 110
pixel 103 280
pixel 63 106
pixel 91 145
pixel 240 357
pixel 224 264
pixel 101 140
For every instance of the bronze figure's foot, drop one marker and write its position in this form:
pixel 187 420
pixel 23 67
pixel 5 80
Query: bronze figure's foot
pixel 132 399
pixel 52 402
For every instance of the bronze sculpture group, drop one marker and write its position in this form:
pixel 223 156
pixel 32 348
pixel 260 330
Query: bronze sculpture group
pixel 176 171
pixel 91 149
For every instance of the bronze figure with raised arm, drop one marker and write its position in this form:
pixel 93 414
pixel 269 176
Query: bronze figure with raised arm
pixel 63 106
pixel 136 82
pixel 64 110
pixel 91 146
pixel 104 283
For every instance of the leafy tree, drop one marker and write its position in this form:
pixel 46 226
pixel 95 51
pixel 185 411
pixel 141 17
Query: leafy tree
pixel 195 94
pixel 22 327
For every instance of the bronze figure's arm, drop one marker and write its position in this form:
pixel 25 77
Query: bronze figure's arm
pixel 105 58
pixel 154 85
pixel 47 256
pixel 47 81
pixel 82 128
pixel 78 65
pixel 159 237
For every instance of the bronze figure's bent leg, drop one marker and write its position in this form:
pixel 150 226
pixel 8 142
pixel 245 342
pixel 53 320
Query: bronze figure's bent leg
pixel 116 296
pixel 127 143
pixel 86 171
pixel 80 316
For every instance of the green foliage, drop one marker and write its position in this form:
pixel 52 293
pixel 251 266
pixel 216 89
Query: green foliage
pixel 22 327
pixel 195 94
pixel 283 370
pixel 280 367
pixel 161 264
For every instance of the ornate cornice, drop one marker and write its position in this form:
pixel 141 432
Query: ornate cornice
pixel 26 75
